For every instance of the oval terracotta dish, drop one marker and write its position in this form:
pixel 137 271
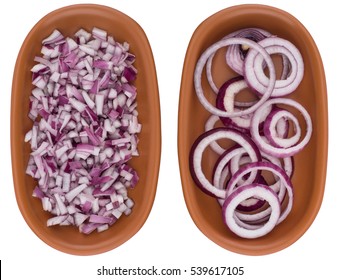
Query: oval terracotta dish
pixel 310 164
pixel 68 20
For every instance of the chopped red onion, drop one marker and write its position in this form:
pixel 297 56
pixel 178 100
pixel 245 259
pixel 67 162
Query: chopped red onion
pixel 85 126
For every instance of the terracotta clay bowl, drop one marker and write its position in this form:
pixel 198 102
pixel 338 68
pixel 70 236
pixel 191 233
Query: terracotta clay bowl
pixel 310 164
pixel 68 20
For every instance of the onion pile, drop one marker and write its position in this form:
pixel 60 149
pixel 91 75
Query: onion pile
pixel 252 178
pixel 85 126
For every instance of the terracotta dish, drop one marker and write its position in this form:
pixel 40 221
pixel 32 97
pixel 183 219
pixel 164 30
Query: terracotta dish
pixel 68 20
pixel 310 164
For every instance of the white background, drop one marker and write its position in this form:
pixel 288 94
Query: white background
pixel 169 237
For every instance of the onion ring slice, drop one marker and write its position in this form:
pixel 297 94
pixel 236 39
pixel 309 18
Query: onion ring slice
pixel 255 76
pixel 202 62
pixel 286 185
pixel 267 147
pixel 202 142
pixel 243 193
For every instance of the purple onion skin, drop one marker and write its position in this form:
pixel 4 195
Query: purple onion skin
pixel 221 92
pixel 220 104
pixel 252 34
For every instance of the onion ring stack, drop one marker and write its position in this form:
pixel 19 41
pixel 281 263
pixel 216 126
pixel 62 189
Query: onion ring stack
pixel 266 133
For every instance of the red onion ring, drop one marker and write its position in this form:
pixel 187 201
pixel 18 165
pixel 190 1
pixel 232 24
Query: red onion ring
pixel 202 142
pixel 226 158
pixel 239 160
pixel 202 61
pixel 267 147
pixel 226 101
pixel 223 163
pixel 210 123
pixel 271 133
pixel 243 193
pixel 222 170
pixel 235 55
pixel 257 79
pixel 286 186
